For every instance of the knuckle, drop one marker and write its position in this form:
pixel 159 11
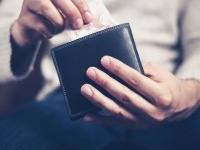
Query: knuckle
pixel 156 115
pixel 166 100
pixel 125 98
pixel 159 117
pixel 117 112
pixel 116 69
pixel 134 81
pixel 102 82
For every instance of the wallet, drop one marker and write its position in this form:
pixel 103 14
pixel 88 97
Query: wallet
pixel 72 59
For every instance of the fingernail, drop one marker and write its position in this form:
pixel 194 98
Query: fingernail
pixel 105 60
pixel 87 91
pixel 87 17
pixel 88 118
pixel 91 73
pixel 78 23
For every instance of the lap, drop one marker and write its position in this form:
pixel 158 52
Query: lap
pixel 181 135
pixel 45 125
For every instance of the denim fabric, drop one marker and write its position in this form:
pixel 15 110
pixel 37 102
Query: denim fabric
pixel 46 126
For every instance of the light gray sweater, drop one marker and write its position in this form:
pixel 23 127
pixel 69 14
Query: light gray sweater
pixel 165 31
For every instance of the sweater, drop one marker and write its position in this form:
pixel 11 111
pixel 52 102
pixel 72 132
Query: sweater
pixel 166 32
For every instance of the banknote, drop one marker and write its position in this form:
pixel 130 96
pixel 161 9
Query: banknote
pixel 102 19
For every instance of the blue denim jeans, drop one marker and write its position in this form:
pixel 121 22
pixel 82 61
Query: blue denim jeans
pixel 46 126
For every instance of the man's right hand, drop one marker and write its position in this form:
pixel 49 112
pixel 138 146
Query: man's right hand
pixel 45 18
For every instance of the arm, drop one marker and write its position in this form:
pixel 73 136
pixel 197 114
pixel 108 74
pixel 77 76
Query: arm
pixel 166 97
pixel 8 12
pixel 190 40
pixel 40 19
pixel 43 19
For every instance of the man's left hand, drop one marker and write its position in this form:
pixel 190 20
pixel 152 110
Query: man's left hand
pixel 163 97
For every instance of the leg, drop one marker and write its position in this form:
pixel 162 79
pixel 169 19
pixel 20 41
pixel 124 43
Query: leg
pixel 183 135
pixel 45 125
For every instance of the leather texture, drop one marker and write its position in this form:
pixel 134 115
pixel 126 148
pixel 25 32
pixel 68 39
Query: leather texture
pixel 74 58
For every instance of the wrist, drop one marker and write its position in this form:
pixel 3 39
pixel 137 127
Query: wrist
pixel 21 57
pixel 23 37
pixel 191 92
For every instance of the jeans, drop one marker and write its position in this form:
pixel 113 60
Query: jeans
pixel 45 126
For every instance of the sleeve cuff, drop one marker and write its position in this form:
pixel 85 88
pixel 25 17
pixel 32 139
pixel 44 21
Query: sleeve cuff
pixel 190 69
pixel 6 73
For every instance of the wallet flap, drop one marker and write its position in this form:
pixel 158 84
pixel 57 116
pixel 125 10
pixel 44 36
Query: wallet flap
pixel 74 58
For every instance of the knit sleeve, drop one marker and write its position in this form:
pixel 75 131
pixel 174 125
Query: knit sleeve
pixel 5 51
pixel 190 39
pixel 9 10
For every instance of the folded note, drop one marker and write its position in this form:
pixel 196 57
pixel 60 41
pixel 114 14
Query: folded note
pixel 101 20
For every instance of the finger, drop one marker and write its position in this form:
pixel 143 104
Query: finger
pixel 38 24
pixel 139 82
pixel 72 13
pixel 105 103
pixel 49 11
pixel 84 10
pixel 123 94
pixel 113 121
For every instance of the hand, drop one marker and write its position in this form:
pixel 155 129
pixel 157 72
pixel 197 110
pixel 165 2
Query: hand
pixel 165 97
pixel 45 18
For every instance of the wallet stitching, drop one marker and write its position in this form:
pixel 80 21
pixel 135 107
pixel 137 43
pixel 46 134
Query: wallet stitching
pixel 62 85
pixel 74 42
pixel 90 36
pixel 64 90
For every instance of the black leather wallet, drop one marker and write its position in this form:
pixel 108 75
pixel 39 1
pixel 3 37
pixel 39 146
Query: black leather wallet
pixel 74 58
